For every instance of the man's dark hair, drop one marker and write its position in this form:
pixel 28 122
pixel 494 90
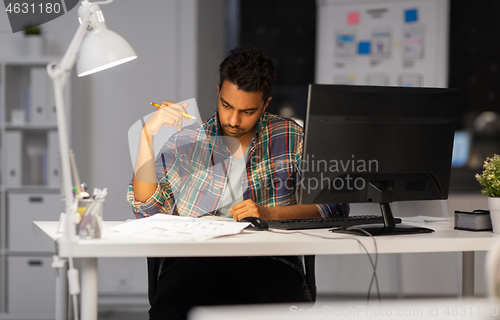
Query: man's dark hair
pixel 250 69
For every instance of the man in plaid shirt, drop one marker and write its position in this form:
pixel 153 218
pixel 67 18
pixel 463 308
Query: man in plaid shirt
pixel 242 162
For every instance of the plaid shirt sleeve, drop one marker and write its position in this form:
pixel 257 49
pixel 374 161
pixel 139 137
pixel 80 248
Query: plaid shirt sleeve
pixel 333 210
pixel 162 200
pixel 148 208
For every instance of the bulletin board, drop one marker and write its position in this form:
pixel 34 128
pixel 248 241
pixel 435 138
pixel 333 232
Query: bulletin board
pixel 383 42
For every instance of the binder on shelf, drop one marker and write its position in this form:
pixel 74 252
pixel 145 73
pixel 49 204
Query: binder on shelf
pixel 53 161
pixel 38 95
pixel 26 104
pixel 51 102
pixel 35 168
pixel 13 158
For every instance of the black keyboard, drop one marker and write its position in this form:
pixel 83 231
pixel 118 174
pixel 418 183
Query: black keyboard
pixel 318 223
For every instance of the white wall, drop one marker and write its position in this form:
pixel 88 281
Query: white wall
pixel 106 104
pixel 162 35
pixel 166 35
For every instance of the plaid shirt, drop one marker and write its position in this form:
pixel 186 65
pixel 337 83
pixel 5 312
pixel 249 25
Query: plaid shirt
pixel 192 168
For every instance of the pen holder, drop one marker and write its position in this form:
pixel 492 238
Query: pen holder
pixel 90 224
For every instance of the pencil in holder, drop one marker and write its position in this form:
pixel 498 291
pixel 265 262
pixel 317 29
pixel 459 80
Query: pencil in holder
pixel 90 224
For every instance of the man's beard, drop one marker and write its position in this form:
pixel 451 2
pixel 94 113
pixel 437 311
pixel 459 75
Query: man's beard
pixel 239 132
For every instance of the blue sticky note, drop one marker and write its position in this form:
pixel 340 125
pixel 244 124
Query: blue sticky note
pixel 345 38
pixel 364 47
pixel 411 15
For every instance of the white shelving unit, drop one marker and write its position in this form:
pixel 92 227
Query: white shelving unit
pixel 29 185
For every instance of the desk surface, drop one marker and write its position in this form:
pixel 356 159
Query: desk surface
pixel 358 310
pixel 323 242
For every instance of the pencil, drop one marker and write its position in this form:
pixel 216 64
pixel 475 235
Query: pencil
pixel 184 114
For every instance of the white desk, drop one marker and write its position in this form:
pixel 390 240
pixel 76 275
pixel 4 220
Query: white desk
pixel 253 243
pixel 359 310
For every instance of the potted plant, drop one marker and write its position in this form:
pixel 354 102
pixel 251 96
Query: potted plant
pixel 490 180
pixel 33 40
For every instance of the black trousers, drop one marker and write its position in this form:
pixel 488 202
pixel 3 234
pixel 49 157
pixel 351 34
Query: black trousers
pixel 189 282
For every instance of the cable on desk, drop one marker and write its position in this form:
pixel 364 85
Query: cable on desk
pixel 373 264
pixel 374 276
pixel 72 274
pixel 73 281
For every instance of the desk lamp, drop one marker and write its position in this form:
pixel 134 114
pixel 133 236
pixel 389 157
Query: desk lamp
pixel 96 49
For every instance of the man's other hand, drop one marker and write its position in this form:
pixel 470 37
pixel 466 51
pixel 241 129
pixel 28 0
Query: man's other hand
pixel 249 208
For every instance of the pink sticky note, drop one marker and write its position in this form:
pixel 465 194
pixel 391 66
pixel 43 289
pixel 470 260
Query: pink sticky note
pixel 353 17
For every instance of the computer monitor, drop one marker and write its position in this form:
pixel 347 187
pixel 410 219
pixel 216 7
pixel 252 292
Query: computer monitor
pixel 377 144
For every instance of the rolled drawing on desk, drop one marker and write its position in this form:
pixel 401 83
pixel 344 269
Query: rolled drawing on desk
pixel 180 228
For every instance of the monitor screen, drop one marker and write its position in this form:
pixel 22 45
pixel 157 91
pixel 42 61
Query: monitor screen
pixel 377 144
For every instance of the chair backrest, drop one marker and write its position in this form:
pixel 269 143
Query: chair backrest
pixel 153 270
pixel 309 265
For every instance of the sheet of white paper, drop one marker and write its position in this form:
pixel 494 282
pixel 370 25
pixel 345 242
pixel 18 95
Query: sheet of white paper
pixel 218 218
pixel 179 227
pixel 422 219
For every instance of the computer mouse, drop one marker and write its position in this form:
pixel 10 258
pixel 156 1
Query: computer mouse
pixel 257 223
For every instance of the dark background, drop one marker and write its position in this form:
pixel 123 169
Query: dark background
pixel 286 29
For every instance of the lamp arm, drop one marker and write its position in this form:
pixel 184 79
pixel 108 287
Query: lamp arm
pixel 59 73
pixel 103 2
pixel 64 151
pixel 71 54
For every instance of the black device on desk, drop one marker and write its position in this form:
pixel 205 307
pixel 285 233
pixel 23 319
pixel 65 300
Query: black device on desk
pixel 256 223
pixel 377 144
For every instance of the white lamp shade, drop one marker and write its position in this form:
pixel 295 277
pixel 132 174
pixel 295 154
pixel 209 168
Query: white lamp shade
pixel 102 49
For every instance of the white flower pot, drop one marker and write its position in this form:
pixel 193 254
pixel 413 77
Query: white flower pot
pixel 33 45
pixel 494 207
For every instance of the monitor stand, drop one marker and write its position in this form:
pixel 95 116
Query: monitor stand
pixel 388 228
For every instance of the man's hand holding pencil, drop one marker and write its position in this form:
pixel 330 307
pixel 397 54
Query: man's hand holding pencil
pixel 170 114
pixel 184 114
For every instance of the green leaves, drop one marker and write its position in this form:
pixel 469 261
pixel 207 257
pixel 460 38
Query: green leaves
pixel 490 177
pixel 33 30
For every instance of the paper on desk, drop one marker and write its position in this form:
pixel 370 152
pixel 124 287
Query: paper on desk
pixel 422 219
pixel 178 227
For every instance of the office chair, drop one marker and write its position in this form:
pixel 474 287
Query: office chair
pixel 310 268
pixel 155 263
pixel 153 270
